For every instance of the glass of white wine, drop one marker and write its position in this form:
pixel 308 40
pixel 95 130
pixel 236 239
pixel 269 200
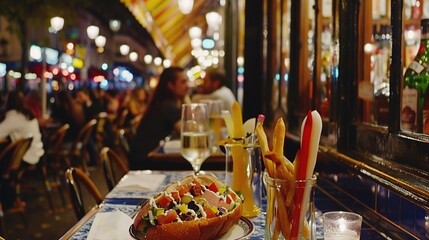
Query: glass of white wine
pixel 216 123
pixel 195 134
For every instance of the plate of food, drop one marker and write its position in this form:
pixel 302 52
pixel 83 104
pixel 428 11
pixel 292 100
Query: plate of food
pixel 196 207
pixel 241 230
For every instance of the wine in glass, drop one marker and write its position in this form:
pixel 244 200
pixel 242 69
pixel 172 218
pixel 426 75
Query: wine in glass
pixel 195 134
pixel 216 123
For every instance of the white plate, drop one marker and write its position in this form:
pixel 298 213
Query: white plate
pixel 242 229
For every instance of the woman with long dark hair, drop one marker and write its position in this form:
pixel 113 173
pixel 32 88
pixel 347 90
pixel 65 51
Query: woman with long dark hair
pixel 161 117
pixel 19 122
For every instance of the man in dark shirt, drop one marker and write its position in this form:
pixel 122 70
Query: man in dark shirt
pixel 161 118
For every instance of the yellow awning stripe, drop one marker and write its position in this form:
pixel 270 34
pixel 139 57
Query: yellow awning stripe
pixel 169 27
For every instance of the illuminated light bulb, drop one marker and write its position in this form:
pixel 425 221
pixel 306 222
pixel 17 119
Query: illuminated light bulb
pixel 124 49
pixel 92 31
pixel 133 56
pixel 186 6
pixel 57 23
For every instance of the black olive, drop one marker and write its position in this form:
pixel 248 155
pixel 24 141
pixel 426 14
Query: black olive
pixel 222 211
pixel 193 205
pixel 171 205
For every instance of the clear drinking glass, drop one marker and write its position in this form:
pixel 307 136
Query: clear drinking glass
pixel 216 123
pixel 243 172
pixel 341 225
pixel 290 210
pixel 195 137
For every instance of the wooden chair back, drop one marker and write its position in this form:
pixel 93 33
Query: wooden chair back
pixel 135 122
pixel 56 140
pixel 84 135
pixel 113 165
pixel 122 116
pixel 11 156
pixel 125 137
pixel 76 179
pixel 10 162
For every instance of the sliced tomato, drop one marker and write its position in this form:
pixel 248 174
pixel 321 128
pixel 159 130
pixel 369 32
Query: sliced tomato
pixel 175 195
pixel 164 202
pixel 228 199
pixel 183 190
pixel 209 212
pixel 169 217
pixel 213 187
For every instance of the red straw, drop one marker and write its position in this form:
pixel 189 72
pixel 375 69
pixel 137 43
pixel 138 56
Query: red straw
pixel 301 172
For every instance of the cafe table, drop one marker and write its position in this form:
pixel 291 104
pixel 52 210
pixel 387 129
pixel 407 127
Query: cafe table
pixel 137 186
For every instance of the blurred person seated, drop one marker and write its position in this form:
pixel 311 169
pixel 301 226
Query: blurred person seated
pixel 125 97
pixel 18 122
pixel 214 88
pixel 111 102
pixel 162 116
pixel 91 106
pixel 33 102
pixel 136 105
pixel 66 110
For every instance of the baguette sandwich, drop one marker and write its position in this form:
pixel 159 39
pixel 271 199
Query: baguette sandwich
pixel 197 207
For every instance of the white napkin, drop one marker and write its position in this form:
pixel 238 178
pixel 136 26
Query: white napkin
pixel 172 146
pixel 249 125
pixel 110 226
pixel 146 182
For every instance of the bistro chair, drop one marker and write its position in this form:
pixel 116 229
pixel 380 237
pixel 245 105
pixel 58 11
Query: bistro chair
pixel 135 122
pixel 104 133
pixel 125 137
pixel 121 118
pixel 77 150
pixel 113 166
pixel 55 142
pixel 10 162
pixel 53 161
pixel 77 180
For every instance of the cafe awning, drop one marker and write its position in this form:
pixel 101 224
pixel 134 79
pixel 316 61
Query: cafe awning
pixel 169 27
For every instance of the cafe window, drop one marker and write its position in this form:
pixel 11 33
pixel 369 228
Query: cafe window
pixel 391 39
pixel 313 78
pixel 372 45
pixel 366 46
pixel 375 41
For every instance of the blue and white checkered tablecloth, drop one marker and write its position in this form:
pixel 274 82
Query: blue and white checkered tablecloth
pixel 127 201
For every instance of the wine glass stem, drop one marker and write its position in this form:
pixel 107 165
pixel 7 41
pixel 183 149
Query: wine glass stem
pixel 196 168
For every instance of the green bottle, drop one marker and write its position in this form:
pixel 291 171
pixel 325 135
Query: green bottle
pixel 416 81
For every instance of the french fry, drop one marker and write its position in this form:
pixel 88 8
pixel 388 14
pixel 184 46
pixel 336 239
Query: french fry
pixel 263 142
pixel 278 226
pixel 282 215
pixel 281 169
pixel 270 206
pixel 290 210
pixel 279 136
pixel 277 230
pixel 276 169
